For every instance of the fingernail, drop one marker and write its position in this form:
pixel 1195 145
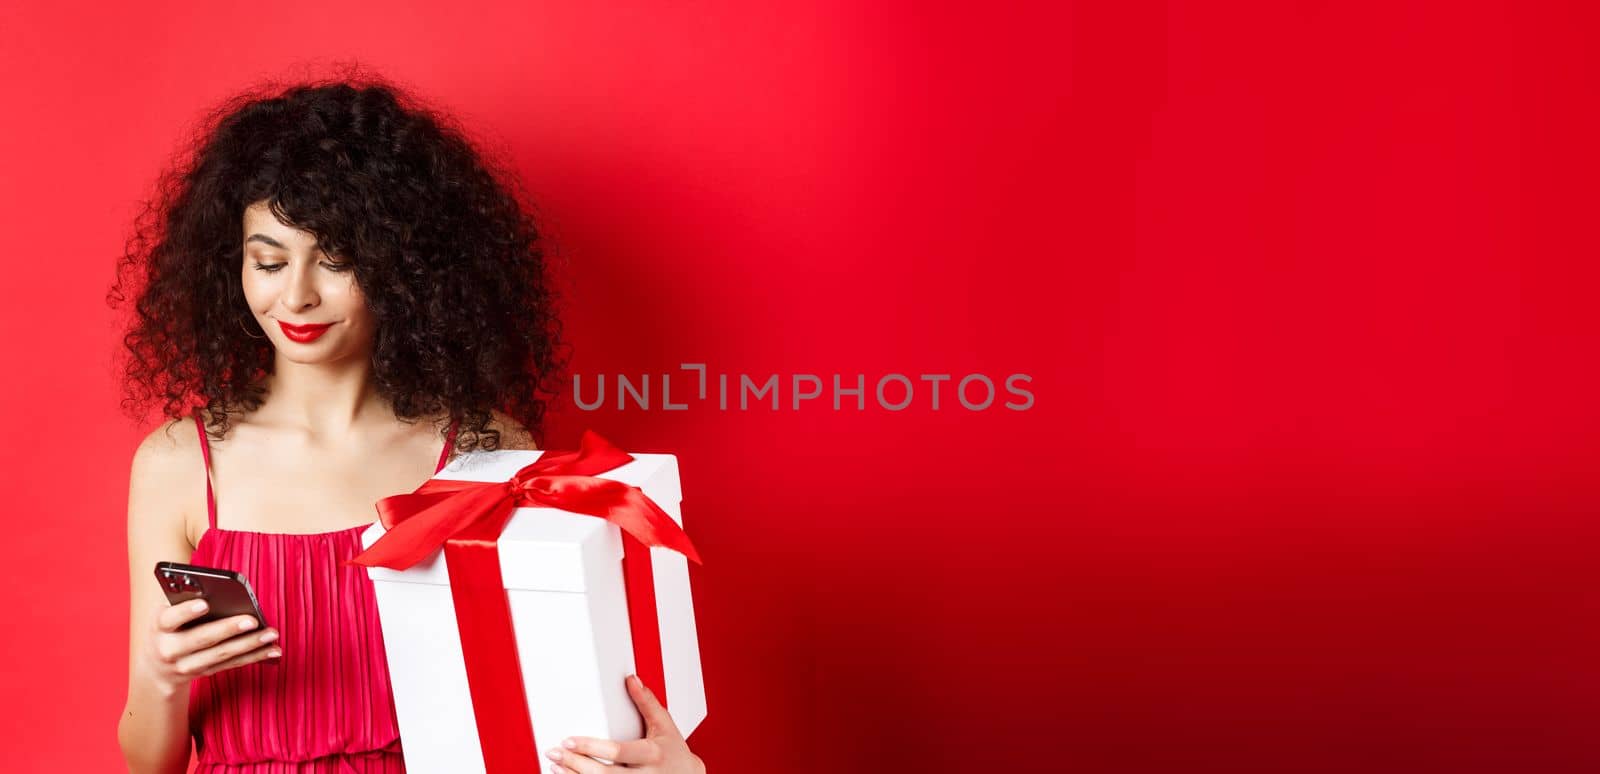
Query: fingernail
pixel 274 653
pixel 569 744
pixel 555 755
pixel 269 636
pixel 199 606
pixel 633 679
pixel 247 624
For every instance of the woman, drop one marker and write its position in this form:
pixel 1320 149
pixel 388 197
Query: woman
pixel 333 292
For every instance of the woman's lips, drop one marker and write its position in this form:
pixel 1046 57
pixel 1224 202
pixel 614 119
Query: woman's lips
pixel 303 333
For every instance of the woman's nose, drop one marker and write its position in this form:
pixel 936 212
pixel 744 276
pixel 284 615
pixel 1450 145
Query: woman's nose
pixel 299 294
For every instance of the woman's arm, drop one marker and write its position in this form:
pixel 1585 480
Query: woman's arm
pixel 154 729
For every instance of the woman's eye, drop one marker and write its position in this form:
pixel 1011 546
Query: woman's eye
pixel 338 266
pixel 268 267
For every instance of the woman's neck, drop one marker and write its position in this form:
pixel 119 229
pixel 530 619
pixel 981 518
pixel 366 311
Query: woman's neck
pixel 323 397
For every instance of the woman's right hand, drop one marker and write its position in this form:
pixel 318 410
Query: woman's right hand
pixel 176 657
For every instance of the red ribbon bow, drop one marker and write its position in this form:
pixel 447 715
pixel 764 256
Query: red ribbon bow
pixel 419 522
pixel 466 518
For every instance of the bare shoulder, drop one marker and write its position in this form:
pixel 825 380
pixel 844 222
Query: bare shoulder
pixel 165 479
pixel 512 434
pixel 165 451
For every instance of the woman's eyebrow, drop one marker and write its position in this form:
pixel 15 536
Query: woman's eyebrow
pixel 264 239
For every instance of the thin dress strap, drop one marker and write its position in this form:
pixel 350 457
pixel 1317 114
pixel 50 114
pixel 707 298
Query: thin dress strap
pixel 205 454
pixel 449 441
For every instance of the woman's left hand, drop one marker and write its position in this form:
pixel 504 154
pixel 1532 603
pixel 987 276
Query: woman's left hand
pixel 662 750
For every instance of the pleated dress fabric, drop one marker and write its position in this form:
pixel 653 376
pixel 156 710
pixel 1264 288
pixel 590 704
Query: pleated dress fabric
pixel 325 706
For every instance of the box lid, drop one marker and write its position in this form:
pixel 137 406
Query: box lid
pixel 545 549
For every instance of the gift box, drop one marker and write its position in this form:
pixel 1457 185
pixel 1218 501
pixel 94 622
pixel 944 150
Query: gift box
pixel 517 589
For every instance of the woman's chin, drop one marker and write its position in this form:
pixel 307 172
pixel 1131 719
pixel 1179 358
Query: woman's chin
pixel 311 353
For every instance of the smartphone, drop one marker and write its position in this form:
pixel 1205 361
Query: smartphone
pixel 226 592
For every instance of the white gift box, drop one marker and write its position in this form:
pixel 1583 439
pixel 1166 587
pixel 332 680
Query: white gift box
pixel 563 578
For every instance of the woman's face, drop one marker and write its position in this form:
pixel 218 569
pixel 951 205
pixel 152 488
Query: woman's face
pixel 307 301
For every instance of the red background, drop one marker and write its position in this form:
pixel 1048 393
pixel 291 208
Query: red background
pixel 1306 293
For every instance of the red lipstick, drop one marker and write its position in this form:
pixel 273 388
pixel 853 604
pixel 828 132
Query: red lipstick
pixel 303 333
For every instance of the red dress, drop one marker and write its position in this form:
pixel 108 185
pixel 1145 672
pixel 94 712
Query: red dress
pixel 325 707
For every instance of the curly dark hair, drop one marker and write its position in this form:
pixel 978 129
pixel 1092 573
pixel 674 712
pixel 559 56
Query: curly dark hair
pixel 448 257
